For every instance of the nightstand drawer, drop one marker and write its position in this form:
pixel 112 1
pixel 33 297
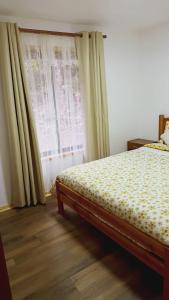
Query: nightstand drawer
pixel 137 143
pixel 132 146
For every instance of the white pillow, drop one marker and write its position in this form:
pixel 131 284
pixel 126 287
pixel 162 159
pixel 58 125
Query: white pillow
pixel 165 137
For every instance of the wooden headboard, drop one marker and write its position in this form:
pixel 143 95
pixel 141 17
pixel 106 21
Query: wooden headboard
pixel 162 122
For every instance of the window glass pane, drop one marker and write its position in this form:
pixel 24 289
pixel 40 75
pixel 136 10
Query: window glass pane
pixel 53 78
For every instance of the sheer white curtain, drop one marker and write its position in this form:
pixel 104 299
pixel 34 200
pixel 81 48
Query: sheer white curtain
pixel 53 78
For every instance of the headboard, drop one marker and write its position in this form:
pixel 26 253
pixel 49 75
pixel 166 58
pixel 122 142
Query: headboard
pixel 162 122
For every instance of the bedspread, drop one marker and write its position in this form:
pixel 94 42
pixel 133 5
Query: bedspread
pixel 133 185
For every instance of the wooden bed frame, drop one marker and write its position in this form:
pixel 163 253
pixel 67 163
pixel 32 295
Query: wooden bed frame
pixel 150 251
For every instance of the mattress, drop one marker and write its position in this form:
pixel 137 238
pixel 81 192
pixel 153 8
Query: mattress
pixel 133 185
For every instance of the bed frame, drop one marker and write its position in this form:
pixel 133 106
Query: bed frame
pixel 150 251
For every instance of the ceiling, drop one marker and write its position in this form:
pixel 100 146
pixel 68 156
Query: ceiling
pixel 135 14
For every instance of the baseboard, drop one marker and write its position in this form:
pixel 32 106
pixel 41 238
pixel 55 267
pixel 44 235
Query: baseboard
pixel 48 196
pixel 5 207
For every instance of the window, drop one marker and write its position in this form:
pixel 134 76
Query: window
pixel 53 81
pixel 53 77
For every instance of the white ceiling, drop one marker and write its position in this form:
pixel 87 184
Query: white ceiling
pixel 134 14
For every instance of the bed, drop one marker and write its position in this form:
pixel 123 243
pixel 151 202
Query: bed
pixel 134 210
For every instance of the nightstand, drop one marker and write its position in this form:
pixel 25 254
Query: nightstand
pixel 137 143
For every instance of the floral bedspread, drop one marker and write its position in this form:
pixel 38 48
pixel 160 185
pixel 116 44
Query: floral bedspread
pixel 133 185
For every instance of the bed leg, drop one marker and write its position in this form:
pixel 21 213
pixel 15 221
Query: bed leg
pixel 60 207
pixel 166 276
pixel 60 203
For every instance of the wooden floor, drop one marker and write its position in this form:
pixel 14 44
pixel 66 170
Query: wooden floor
pixel 49 258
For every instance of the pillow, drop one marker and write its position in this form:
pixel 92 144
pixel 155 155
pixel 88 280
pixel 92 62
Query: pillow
pixel 161 141
pixel 165 136
pixel 166 125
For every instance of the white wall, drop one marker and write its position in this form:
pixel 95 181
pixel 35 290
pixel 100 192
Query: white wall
pixel 154 55
pixel 122 72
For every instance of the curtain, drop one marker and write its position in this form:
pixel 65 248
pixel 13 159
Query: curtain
pixel 26 174
pixel 53 77
pixel 90 52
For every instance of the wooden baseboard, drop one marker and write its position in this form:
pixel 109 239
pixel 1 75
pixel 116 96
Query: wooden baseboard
pixel 5 207
pixel 47 195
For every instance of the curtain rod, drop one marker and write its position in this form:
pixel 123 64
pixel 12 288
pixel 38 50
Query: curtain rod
pixel 71 34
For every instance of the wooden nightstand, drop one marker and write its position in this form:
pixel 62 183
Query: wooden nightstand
pixel 137 143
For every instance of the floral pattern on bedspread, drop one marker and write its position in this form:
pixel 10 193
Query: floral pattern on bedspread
pixel 133 185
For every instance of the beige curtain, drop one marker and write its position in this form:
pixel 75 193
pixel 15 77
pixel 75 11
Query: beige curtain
pixel 90 52
pixel 26 174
